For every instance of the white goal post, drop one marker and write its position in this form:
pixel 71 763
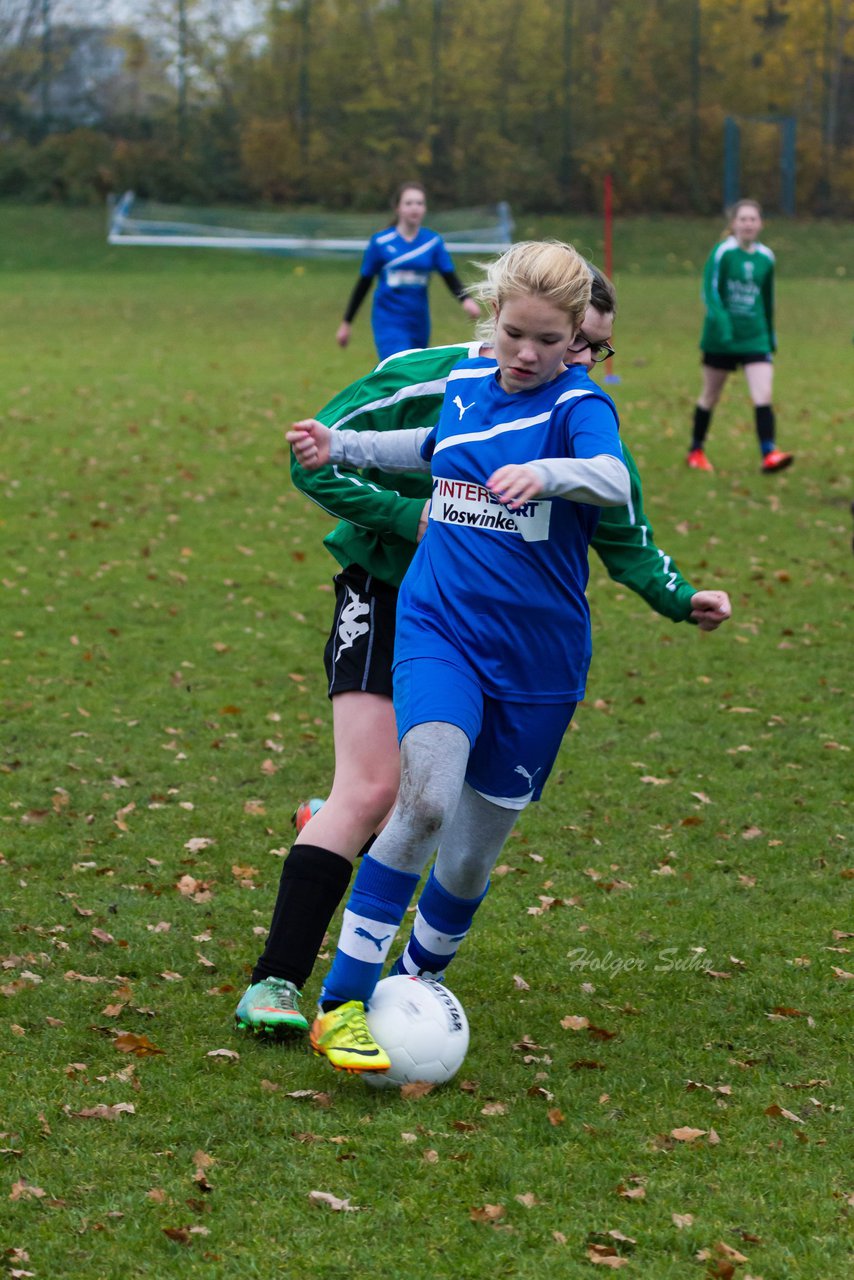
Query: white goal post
pixel 488 229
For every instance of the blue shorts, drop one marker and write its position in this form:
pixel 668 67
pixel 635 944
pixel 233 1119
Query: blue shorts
pixel 513 744
pixel 394 336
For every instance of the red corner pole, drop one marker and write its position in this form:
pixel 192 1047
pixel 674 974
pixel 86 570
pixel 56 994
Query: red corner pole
pixel 609 225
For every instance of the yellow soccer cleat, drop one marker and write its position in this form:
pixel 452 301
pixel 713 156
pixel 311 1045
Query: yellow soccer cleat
pixel 342 1036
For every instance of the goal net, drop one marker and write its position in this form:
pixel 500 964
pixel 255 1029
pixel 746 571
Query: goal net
pixel 487 229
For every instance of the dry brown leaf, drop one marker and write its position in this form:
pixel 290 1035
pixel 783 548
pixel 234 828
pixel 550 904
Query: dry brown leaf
pixel 687 1134
pixel 682 1220
pixel 631 1193
pixel 231 1054
pixel 417 1089
pixel 606 1255
pixel 487 1213
pixel 575 1022
pixel 127 1042
pixel 181 1235
pixel 776 1110
pixel 196 843
pixel 22 1190
pixel 104 1112
pixel 330 1201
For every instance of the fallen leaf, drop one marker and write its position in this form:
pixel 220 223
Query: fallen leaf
pixel 417 1089
pixel 631 1193
pixel 332 1202
pixel 487 1213
pixel 127 1042
pixel 606 1255
pixel 574 1022
pixel 687 1134
pixel 682 1220
pixel 22 1190
pixel 231 1054
pixel 104 1112
pixel 776 1110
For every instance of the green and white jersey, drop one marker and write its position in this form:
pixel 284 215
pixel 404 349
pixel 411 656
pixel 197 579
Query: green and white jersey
pixel 738 292
pixel 379 513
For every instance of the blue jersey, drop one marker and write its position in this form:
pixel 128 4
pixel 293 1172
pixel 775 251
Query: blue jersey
pixel 400 314
pixel 503 590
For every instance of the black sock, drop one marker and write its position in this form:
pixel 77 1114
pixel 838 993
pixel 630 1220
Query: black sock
pixel 765 427
pixel 367 846
pixel 313 882
pixel 702 418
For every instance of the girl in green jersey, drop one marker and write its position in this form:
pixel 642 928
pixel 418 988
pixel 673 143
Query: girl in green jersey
pixel 738 291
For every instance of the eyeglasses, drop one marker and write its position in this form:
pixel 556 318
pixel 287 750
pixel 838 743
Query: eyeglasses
pixel 599 351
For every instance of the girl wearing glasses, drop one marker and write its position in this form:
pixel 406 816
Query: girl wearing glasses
pixel 738 292
pixel 402 256
pixel 382 517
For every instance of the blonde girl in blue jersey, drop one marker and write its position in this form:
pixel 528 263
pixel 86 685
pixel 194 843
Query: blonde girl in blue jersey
pixel 493 638
pixel 401 258
pixel 738 292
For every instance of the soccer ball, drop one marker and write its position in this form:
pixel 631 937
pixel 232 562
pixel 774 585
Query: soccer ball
pixel 423 1029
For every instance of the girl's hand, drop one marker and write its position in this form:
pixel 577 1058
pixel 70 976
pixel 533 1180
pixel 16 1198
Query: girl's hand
pixel 342 336
pixel 514 484
pixel 310 442
pixel 710 608
pixel 423 521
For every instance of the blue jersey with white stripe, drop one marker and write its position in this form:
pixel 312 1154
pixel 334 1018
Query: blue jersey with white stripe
pixel 403 267
pixel 504 590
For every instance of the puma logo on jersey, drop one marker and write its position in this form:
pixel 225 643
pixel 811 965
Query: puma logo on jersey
pixel 349 627
pixel 462 407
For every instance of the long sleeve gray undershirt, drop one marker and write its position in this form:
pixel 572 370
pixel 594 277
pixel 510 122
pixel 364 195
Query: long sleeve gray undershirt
pixel 601 481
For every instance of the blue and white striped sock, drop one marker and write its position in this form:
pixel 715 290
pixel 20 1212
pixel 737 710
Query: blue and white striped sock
pixel 441 922
pixel 379 897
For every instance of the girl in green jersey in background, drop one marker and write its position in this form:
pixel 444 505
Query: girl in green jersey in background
pixel 738 291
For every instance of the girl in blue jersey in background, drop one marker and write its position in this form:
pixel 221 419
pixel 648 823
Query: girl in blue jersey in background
pixel 402 256
pixel 493 629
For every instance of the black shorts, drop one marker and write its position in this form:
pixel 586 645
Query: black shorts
pixel 360 648
pixel 718 360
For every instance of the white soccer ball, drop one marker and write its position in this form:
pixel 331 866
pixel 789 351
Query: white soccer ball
pixel 423 1029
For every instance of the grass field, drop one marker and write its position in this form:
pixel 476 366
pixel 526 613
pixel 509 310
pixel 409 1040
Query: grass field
pixel 165 604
